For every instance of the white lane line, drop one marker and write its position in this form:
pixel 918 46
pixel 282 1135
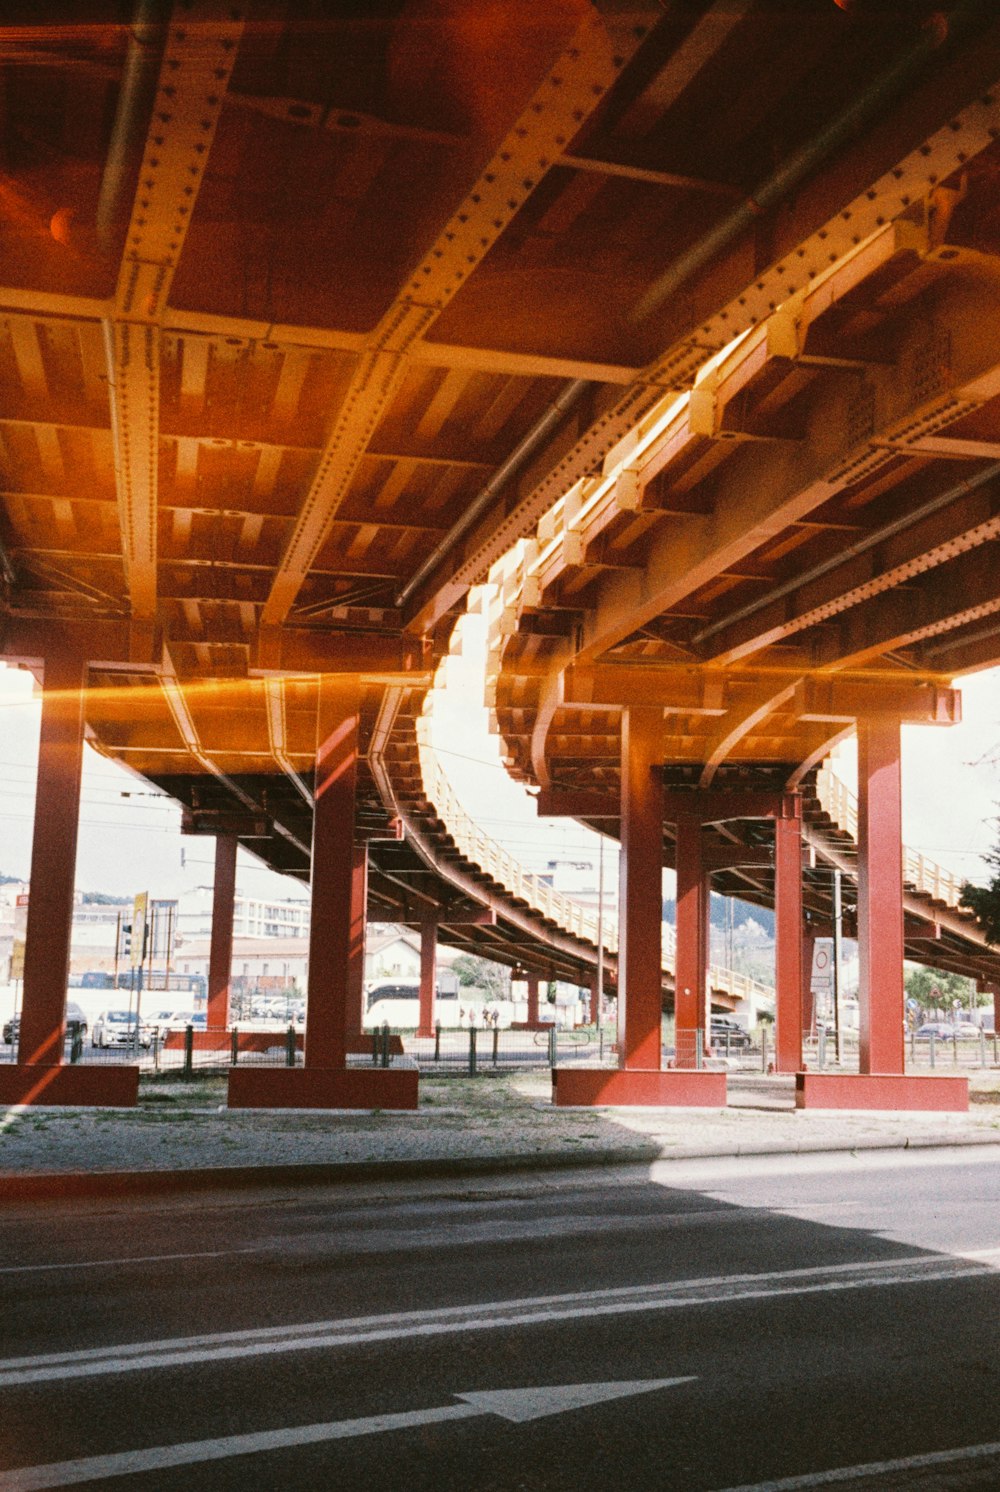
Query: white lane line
pixel 191 1452
pixel 516 1405
pixel 873 1468
pixel 118 1263
pixel 508 1314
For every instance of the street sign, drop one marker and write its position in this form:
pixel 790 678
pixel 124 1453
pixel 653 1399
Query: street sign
pixel 822 967
pixel 20 936
pixel 138 945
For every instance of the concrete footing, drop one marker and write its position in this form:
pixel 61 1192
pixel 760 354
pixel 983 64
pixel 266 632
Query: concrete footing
pixel 859 1090
pixel 323 1088
pixel 630 1086
pixel 105 1085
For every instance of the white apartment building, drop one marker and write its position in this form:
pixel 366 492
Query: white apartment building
pixel 252 917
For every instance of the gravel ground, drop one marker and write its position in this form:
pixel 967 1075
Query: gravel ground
pixel 181 1127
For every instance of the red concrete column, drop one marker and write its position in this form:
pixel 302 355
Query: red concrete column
pixel 356 952
pixel 640 894
pixel 53 862
pixel 428 973
pixel 788 939
pixel 593 1002
pixel 690 961
pixel 532 982
pixel 880 896
pixel 220 957
pixel 332 872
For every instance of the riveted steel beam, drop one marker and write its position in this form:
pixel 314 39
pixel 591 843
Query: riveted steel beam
pixel 929 534
pixel 817 231
pixel 946 367
pixel 567 96
pixel 199 53
pixel 966 591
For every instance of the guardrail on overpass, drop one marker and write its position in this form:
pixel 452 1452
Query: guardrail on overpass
pixel 919 873
pixel 582 922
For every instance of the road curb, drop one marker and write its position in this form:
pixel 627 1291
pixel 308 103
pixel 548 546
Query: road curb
pixel 63 1185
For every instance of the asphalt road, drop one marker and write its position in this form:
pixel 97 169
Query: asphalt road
pixel 840 1316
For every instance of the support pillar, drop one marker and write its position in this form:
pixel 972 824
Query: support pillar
pixel 40 1075
pixel 788 939
pixel 593 1001
pixel 428 973
pixel 640 891
pixel 325 1081
pixel 332 873
pixel 533 1020
pixel 882 1082
pixel 53 864
pixel 640 1078
pixel 356 941
pixel 690 960
pixel 880 896
pixel 220 957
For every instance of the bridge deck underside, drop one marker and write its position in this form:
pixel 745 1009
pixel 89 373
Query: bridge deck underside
pixel 305 322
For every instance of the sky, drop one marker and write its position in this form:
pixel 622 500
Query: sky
pixel 130 836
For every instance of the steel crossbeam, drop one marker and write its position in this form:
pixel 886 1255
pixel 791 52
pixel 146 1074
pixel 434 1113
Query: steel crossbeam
pixel 199 53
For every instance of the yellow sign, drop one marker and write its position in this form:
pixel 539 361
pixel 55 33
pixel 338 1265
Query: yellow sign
pixel 139 907
pixel 20 935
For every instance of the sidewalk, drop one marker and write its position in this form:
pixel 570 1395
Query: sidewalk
pixel 182 1137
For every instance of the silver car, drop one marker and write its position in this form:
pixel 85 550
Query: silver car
pixel 120 1028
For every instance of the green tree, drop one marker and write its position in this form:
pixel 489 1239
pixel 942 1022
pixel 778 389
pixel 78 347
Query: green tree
pixel 935 990
pixel 984 901
pixel 493 979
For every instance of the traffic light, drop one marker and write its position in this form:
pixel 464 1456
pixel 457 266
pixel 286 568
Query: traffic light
pixel 125 940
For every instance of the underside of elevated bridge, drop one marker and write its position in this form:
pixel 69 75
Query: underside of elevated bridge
pixel 676 321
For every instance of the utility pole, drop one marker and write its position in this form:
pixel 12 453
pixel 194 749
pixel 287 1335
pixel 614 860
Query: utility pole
pixel 838 934
pixel 599 999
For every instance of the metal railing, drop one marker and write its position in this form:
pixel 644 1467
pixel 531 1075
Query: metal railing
pixel 919 873
pixel 569 915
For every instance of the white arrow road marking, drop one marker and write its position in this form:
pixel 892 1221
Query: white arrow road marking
pixel 517 1405
pixel 872 1469
pixel 541 1310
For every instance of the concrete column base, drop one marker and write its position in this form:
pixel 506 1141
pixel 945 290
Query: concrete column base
pixel 638 1086
pixel 71 1085
pixel 859 1090
pixel 322 1088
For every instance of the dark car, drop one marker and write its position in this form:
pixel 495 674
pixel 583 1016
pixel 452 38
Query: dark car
pixel 74 1013
pixel 727 1033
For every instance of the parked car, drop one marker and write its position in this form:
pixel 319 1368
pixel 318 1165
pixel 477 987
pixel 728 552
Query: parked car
pixel 726 1032
pixel 120 1028
pixel 964 1028
pixel 74 1013
pixel 169 1020
pixel 940 1030
pixel 179 1019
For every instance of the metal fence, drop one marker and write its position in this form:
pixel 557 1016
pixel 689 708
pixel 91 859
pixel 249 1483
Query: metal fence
pixel 471 1051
